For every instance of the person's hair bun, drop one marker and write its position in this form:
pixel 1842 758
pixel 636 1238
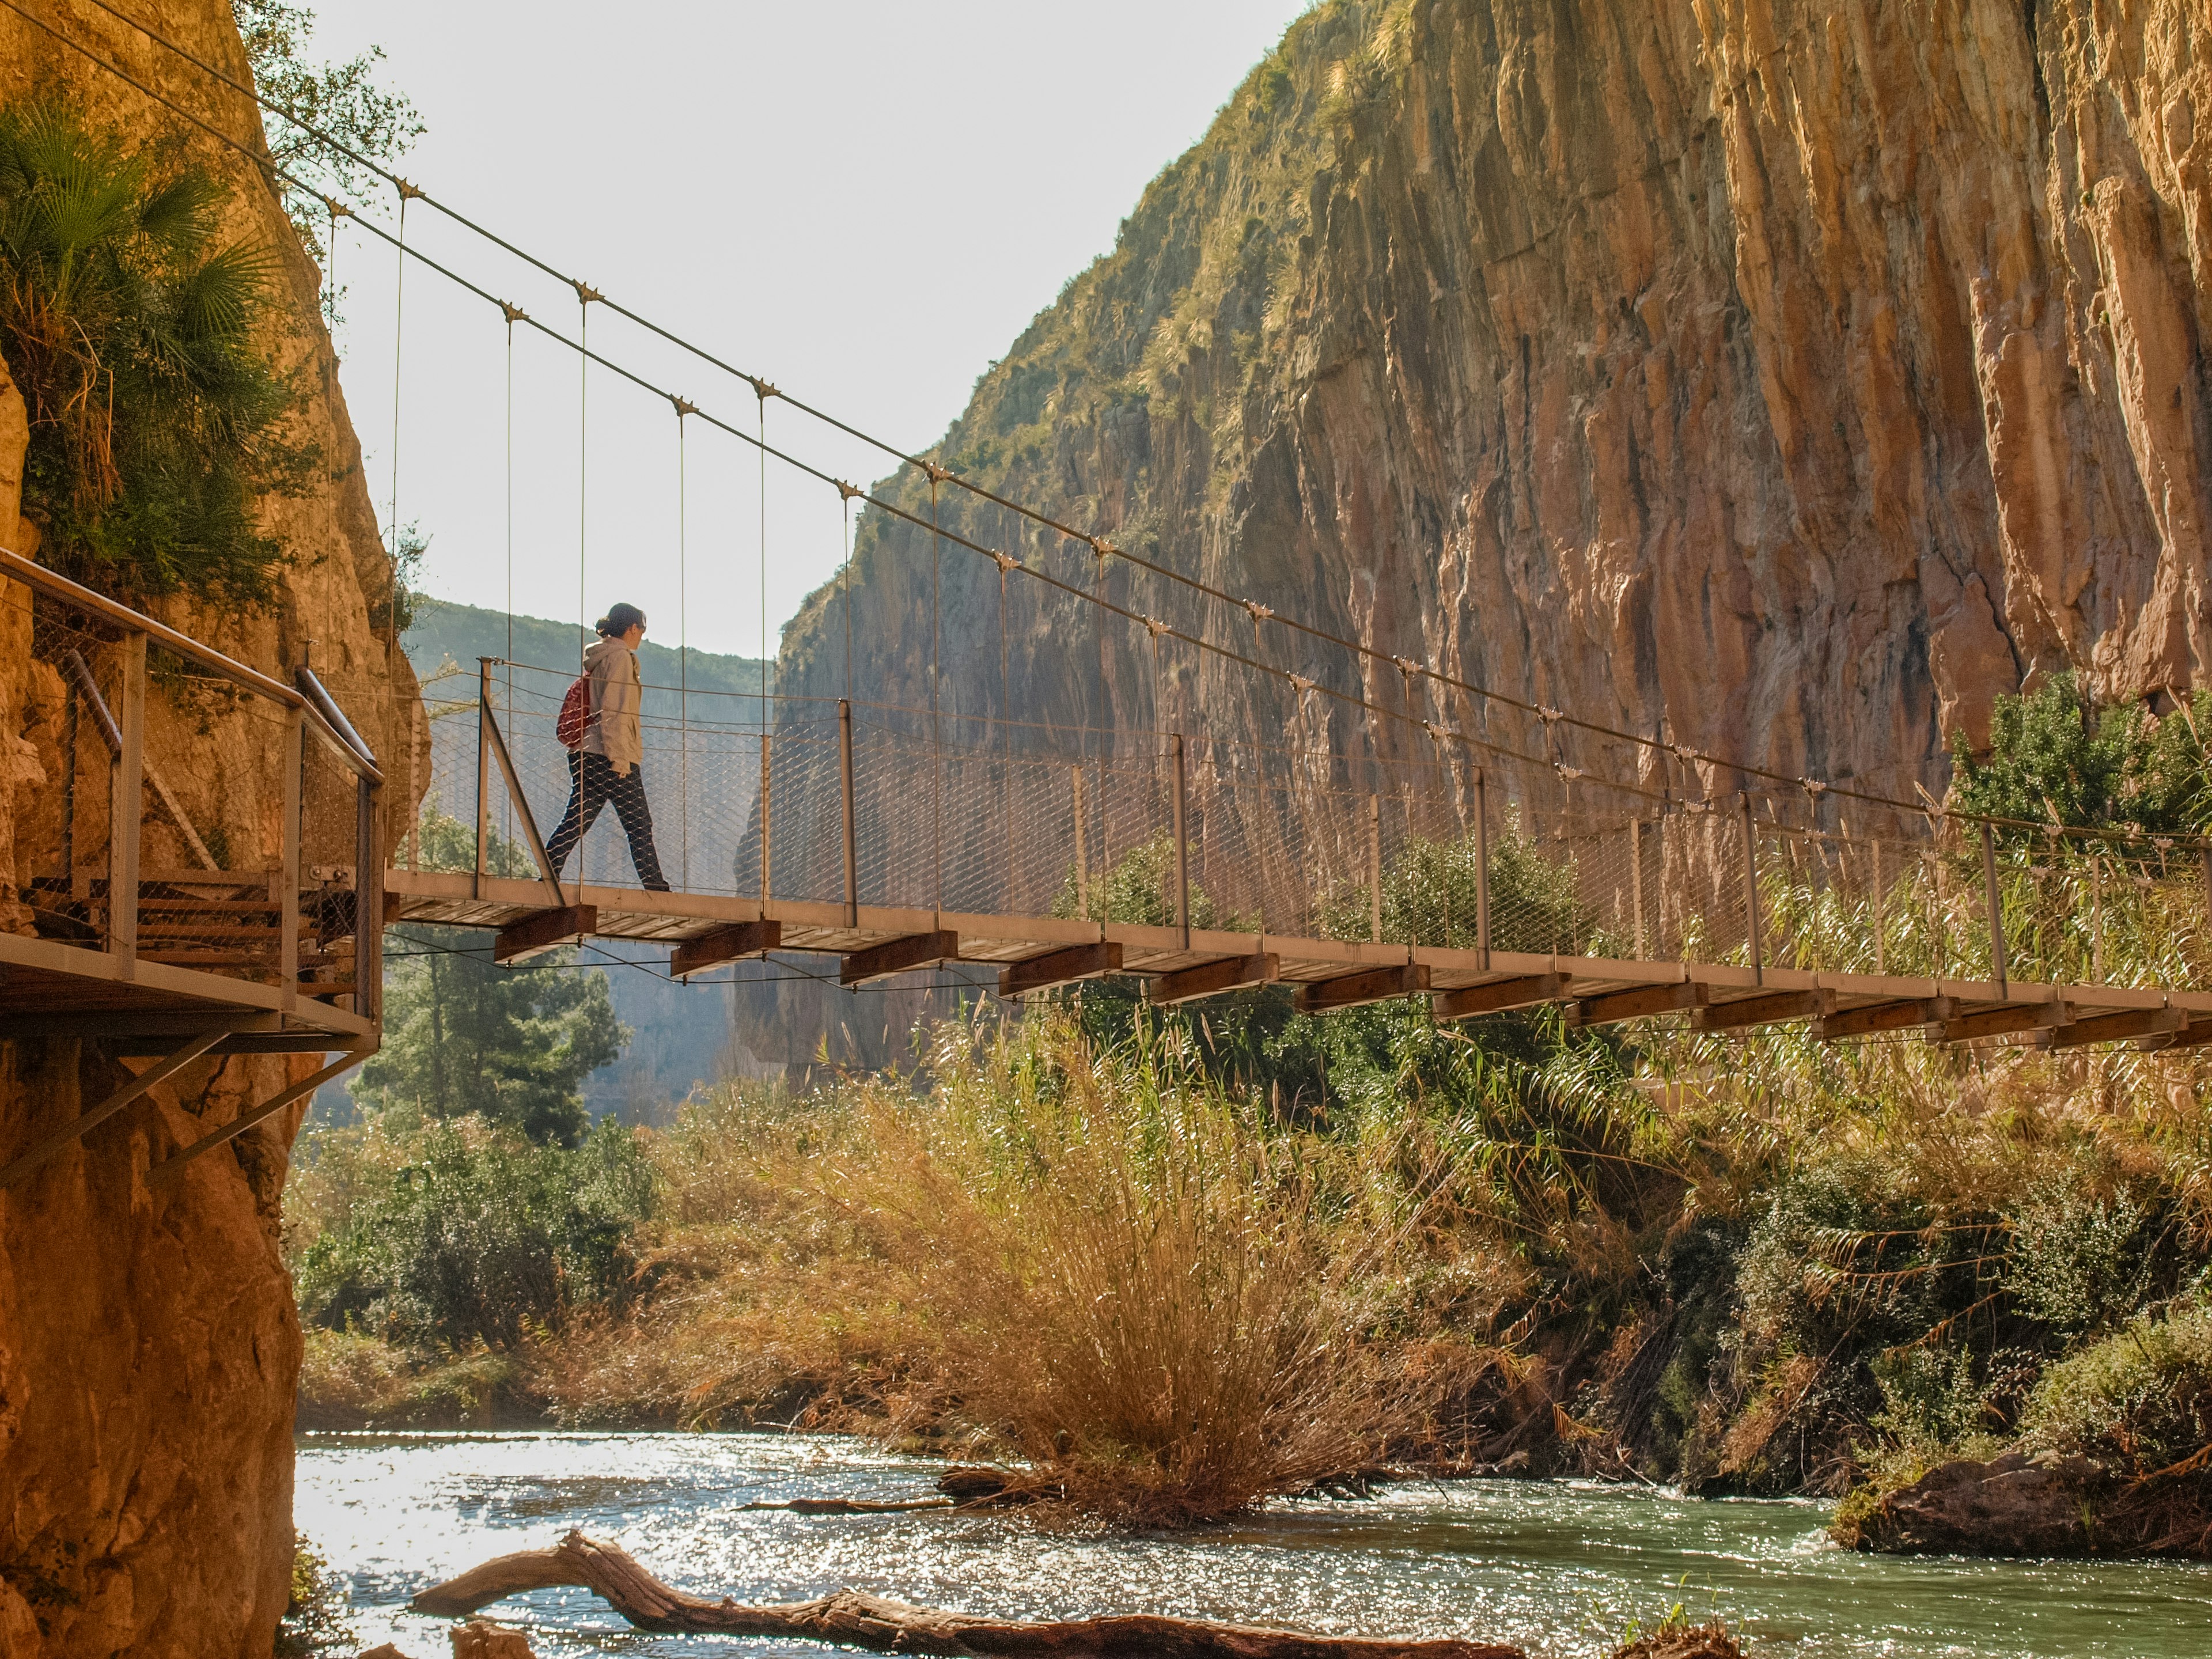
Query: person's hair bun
pixel 619 619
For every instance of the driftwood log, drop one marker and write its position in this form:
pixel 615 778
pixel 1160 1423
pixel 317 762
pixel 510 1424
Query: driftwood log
pixel 869 1621
pixel 852 1505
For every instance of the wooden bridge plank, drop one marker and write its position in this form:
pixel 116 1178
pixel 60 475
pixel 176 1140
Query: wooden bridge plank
pixel 1763 1011
pixel 1359 990
pixel 2112 1028
pixel 1526 991
pixel 1902 1015
pixel 1062 967
pixel 542 931
pixel 1207 979
pixel 1639 1004
pixel 732 943
pixel 900 956
pixel 2005 1018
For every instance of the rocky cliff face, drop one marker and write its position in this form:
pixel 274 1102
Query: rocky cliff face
pixel 1798 377
pixel 1788 379
pixel 148 1343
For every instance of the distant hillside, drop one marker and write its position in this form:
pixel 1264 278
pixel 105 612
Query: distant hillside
pixel 466 632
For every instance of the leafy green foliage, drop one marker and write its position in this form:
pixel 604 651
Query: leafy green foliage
pixel 344 100
pixel 2141 1398
pixel 1139 889
pixel 464 1036
pixel 135 336
pixel 2055 759
pixel 478 1236
pixel 1429 894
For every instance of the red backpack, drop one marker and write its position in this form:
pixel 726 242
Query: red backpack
pixel 575 712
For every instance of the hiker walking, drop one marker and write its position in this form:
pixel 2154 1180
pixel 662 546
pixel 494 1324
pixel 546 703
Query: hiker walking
pixel 599 725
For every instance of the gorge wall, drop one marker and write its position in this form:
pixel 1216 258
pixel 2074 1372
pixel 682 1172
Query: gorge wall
pixel 148 1348
pixel 1785 378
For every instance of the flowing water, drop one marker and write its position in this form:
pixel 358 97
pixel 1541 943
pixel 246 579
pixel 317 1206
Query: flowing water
pixel 1560 1568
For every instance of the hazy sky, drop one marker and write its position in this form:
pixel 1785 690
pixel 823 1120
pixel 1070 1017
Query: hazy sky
pixel 865 203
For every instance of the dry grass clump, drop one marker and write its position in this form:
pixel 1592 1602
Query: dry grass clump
pixel 1166 1307
pixel 1095 1264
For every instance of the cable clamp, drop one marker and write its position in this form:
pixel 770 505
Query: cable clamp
pixel 515 314
pixel 585 292
pixel 1548 716
pixel 935 473
pixel 1435 731
pixel 1570 773
pixel 1260 612
pixel 338 210
pixel 763 389
pixel 1407 666
pixel 847 490
pixel 407 192
pixel 1006 561
pixel 1153 626
pixel 684 406
pixel 1814 787
pixel 1102 549
pixel 2164 843
pixel 1300 683
pixel 1686 755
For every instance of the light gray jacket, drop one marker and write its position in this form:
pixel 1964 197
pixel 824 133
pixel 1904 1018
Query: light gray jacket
pixel 611 728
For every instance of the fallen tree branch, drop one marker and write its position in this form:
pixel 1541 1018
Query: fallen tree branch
pixel 868 1621
pixel 852 1505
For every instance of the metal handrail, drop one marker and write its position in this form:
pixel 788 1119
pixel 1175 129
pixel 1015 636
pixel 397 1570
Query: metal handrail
pixel 353 754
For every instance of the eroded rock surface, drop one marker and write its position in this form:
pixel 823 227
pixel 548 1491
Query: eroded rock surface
pixel 148 1348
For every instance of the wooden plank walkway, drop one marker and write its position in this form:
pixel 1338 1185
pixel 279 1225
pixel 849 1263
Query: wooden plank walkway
pixel 1718 996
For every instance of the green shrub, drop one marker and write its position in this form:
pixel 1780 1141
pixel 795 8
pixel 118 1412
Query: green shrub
pixel 2055 758
pixel 314 1619
pixel 2141 1398
pixel 481 1237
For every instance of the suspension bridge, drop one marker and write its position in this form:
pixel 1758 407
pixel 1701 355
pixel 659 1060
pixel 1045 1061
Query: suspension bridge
pixel 1587 866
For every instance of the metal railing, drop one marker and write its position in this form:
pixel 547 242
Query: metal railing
pixel 249 851
pixel 835 801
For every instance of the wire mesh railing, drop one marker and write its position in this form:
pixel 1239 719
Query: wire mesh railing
pixel 752 796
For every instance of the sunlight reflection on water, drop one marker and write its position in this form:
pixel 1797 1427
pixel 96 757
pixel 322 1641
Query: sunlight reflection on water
pixel 1559 1567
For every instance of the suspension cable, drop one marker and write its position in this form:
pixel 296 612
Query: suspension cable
pixel 1102 549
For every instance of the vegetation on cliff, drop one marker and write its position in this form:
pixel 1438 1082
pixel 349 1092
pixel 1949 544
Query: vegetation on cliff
pixel 138 336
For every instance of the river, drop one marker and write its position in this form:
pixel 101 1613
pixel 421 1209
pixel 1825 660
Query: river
pixel 1560 1567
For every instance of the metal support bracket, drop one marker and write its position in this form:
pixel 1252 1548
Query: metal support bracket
pixel 161 1072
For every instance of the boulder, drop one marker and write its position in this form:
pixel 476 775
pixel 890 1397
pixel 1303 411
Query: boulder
pixel 2015 1505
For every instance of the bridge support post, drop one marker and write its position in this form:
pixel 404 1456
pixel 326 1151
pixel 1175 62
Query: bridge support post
pixel 484 779
pixel 1636 878
pixel 1082 858
pixel 1881 897
pixel 1751 889
pixel 287 915
pixel 1993 903
pixel 766 741
pixel 852 840
pixel 127 804
pixel 1182 847
pixel 1375 868
pixel 1482 868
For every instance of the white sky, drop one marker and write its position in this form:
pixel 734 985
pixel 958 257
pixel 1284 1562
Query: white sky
pixel 865 203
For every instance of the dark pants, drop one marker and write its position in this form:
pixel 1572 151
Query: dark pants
pixel 593 783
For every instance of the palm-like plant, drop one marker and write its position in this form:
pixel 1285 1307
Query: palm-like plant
pixel 134 335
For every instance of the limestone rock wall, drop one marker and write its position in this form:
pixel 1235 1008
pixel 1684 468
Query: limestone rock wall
pixel 149 1347
pixel 1785 378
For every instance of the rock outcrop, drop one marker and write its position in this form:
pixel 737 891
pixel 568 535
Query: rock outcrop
pixel 2026 1503
pixel 2013 1506
pixel 1783 377
pixel 148 1348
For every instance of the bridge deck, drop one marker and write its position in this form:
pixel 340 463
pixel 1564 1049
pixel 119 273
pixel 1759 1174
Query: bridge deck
pixel 464 900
